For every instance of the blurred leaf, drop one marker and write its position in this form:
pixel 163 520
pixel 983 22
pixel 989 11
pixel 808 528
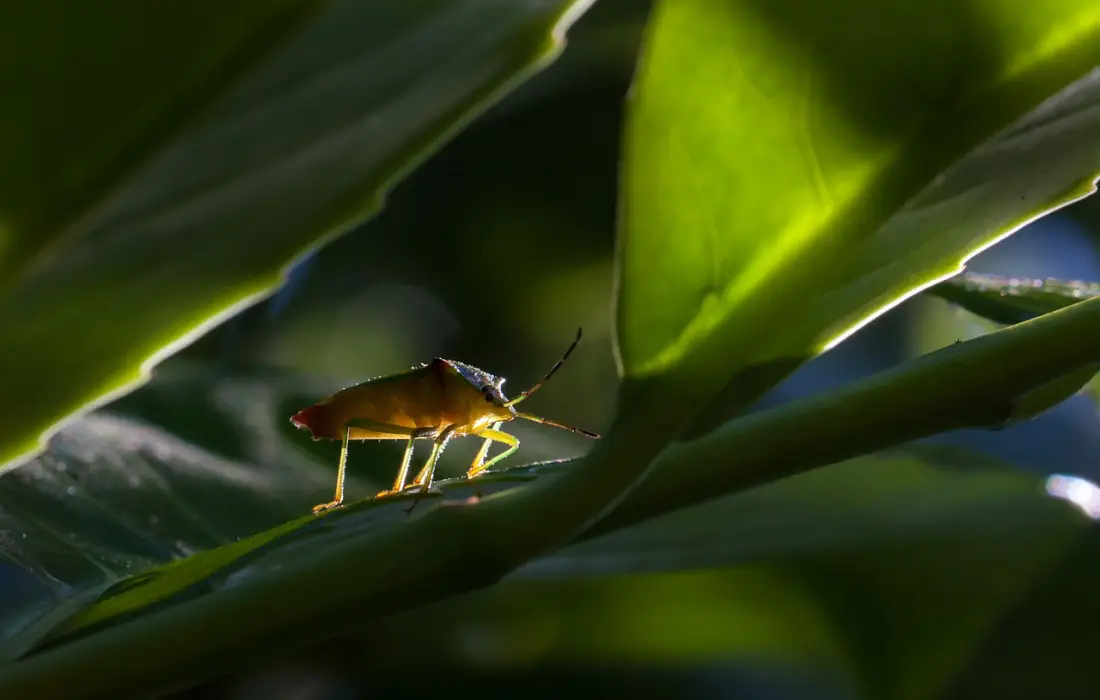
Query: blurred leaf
pixel 889 571
pixel 1086 214
pixel 794 170
pixel 1047 646
pixel 265 553
pixel 1008 300
pixel 1092 389
pixel 91 90
pixel 114 497
pixel 282 159
pixel 1052 393
pixel 312 564
pixel 974 384
pixel 826 546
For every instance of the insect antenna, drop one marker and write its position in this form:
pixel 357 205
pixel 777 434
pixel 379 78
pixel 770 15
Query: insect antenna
pixel 539 383
pixel 555 424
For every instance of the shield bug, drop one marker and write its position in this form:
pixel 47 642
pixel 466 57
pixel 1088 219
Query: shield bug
pixel 441 400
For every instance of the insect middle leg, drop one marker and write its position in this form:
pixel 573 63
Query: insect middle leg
pixel 424 478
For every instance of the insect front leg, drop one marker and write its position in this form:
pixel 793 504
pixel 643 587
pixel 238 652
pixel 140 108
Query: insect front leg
pixel 492 435
pixel 479 458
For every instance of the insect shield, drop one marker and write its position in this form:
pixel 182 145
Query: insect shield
pixel 439 401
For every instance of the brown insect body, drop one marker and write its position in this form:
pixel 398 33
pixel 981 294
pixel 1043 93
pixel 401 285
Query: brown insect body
pixel 438 401
pixel 436 395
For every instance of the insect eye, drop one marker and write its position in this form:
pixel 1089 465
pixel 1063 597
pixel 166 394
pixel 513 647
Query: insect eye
pixel 486 393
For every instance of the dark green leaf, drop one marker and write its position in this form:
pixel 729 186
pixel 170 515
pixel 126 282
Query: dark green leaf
pixel 219 587
pixel 90 92
pixel 1052 393
pixel 110 272
pixel 1046 647
pixel 1008 300
pixel 887 571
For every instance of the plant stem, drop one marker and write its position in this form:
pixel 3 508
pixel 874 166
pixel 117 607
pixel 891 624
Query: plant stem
pixel 965 385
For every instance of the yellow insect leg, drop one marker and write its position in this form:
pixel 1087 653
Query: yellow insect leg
pixel 340 473
pixel 479 458
pixel 386 428
pixel 403 472
pixel 492 436
pixel 424 478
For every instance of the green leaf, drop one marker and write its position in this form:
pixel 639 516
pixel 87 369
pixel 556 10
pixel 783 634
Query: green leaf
pixel 794 170
pixel 273 162
pixel 115 496
pixel 117 79
pixel 973 384
pixel 279 598
pixel 328 568
pixel 1008 300
pixel 887 572
pixel 137 497
pixel 1044 648
pixel 1092 389
pixel 781 187
pixel 1052 393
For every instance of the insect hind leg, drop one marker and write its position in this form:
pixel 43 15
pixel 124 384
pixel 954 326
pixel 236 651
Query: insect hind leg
pixel 385 428
pixel 341 471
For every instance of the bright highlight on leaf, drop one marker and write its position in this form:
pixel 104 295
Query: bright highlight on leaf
pixel 789 178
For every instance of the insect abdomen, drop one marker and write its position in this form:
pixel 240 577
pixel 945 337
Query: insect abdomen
pixel 318 421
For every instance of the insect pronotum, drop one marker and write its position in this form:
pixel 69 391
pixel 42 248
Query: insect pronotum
pixel 439 401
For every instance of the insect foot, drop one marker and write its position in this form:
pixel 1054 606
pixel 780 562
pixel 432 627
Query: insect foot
pixel 326 506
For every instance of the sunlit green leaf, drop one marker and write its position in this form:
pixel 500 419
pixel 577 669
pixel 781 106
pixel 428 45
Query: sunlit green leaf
pixel 107 266
pixel 793 170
